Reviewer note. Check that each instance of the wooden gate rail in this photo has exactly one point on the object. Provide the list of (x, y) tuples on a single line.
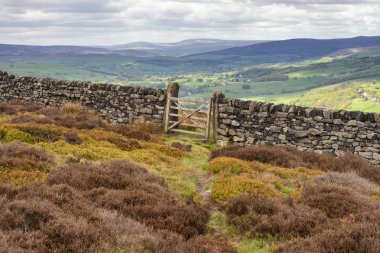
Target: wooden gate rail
[(189, 118)]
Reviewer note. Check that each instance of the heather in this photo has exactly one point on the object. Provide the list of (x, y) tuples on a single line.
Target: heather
[(316, 203), (108, 207), (291, 157), (73, 182)]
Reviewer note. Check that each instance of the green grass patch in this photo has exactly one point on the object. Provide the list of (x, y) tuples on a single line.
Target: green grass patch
[(254, 246)]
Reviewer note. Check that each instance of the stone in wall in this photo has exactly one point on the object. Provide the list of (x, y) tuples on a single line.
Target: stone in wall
[(309, 129), (122, 104)]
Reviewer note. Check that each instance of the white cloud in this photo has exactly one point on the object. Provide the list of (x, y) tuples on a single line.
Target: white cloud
[(91, 22)]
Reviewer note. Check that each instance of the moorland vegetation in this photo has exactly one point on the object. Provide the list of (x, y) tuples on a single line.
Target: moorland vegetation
[(72, 182)]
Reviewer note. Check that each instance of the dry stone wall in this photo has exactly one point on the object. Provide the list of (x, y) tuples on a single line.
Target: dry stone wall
[(235, 121), (309, 129), (117, 103)]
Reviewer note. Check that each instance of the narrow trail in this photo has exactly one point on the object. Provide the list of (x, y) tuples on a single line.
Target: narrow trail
[(205, 193)]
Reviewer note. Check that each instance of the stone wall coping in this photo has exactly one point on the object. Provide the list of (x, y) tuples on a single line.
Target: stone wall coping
[(308, 112)]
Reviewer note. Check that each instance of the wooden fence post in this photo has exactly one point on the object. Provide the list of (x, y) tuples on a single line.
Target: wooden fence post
[(171, 91), (217, 96), (167, 113), (209, 119)]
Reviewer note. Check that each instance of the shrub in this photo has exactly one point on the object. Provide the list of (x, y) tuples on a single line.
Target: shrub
[(46, 228), (24, 119), (202, 244), (27, 215), (362, 167), (14, 134), (73, 116), (73, 138), (350, 180), (50, 112), (7, 109), (22, 177), (258, 215), (132, 236), (284, 173), (336, 201), (227, 187), (31, 119), (128, 132), (290, 157), (227, 165), (280, 156), (125, 145), (3, 132), (135, 193), (89, 149), (138, 135), (133, 144), (112, 207), (147, 127), (182, 146), (7, 245), (25, 106), (41, 134), (361, 237), (20, 156), (112, 175), (82, 121), (73, 109), (164, 149)]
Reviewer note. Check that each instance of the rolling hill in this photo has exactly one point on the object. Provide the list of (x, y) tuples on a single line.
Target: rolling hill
[(294, 49), (185, 47), (274, 71), (14, 52), (139, 49)]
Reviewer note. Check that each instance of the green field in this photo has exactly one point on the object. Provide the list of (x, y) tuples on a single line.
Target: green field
[(330, 82)]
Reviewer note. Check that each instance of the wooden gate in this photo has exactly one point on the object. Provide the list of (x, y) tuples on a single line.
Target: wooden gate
[(188, 116)]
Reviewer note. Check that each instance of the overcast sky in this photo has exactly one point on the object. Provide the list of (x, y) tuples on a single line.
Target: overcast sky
[(107, 22)]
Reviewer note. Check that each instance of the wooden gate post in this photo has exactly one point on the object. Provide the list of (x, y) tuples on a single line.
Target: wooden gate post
[(217, 96), (209, 119), (171, 91)]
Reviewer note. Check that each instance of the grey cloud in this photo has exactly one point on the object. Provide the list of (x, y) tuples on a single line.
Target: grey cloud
[(119, 21), (74, 6)]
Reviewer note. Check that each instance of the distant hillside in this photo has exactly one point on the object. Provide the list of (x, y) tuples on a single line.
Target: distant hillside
[(186, 47), (25, 51), (138, 49), (294, 49)]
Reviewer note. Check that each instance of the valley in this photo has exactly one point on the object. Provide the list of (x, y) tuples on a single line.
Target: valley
[(282, 75)]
